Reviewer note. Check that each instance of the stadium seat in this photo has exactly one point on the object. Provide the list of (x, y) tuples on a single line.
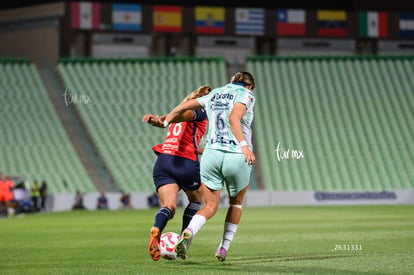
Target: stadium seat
[(33, 142), (351, 116), (122, 91)]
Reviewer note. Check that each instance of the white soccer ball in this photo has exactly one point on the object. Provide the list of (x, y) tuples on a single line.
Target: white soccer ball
[(167, 244)]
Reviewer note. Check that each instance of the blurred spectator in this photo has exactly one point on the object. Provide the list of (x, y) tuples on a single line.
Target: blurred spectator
[(6, 194), (125, 200), (22, 199), (153, 200), (35, 195), (43, 196), (102, 202), (78, 201)]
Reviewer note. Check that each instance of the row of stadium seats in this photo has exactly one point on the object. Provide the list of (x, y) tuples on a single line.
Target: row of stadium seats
[(344, 123), (352, 118), (33, 142), (121, 92)]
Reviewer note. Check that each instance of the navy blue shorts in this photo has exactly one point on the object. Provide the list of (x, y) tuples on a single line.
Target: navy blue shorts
[(173, 169)]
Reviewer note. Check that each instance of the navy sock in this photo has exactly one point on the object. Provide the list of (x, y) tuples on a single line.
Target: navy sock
[(189, 212), (161, 218)]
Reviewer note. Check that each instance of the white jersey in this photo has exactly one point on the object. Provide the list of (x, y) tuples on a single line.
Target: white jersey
[(218, 105)]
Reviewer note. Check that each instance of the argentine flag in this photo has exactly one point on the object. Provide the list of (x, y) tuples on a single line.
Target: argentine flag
[(126, 17)]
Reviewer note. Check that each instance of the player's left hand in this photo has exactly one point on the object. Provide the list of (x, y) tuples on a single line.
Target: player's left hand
[(249, 156), (153, 120)]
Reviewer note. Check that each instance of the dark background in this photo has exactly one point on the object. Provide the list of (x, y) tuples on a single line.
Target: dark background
[(350, 5)]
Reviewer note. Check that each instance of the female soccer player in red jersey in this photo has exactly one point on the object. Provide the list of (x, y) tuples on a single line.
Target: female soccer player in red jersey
[(177, 167)]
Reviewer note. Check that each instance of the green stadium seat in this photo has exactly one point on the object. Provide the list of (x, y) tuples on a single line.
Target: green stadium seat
[(122, 91), (33, 143), (352, 117)]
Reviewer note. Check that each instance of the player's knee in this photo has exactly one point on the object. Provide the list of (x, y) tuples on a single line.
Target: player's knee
[(236, 201), (195, 196), (211, 209)]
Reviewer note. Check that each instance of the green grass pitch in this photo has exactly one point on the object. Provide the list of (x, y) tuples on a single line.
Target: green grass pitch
[(270, 240)]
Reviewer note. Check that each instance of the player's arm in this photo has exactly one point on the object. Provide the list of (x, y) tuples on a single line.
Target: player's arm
[(181, 110), (186, 116), (154, 120), (239, 110), (200, 150), (158, 121)]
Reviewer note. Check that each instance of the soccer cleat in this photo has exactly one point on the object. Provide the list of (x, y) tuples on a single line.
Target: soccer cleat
[(154, 244), (184, 243), (221, 254)]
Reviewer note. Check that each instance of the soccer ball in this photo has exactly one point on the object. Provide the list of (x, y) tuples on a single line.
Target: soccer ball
[(167, 244)]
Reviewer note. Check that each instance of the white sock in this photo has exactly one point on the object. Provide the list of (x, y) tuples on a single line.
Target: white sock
[(228, 235), (196, 223)]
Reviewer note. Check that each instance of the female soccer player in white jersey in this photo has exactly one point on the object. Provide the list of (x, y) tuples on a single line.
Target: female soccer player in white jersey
[(227, 157), (177, 167)]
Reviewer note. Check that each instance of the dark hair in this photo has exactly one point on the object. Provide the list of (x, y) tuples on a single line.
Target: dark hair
[(244, 77)]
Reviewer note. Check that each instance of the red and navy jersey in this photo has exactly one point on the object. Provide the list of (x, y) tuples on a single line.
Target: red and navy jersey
[(183, 137)]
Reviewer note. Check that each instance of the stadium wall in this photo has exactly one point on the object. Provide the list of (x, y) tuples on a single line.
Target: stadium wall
[(64, 202), (37, 26)]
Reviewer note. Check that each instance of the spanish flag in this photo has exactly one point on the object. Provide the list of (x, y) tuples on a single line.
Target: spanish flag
[(331, 22), (209, 20), (167, 18)]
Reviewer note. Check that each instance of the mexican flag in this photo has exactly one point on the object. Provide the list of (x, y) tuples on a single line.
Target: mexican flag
[(373, 24)]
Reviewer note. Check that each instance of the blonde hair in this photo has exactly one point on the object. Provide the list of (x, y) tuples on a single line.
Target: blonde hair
[(201, 91), (244, 77)]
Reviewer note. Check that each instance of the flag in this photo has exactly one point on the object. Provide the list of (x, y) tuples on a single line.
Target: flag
[(373, 24), (126, 17), (209, 20), (407, 25), (331, 23), (167, 18), (250, 21), (85, 15), (290, 22)]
